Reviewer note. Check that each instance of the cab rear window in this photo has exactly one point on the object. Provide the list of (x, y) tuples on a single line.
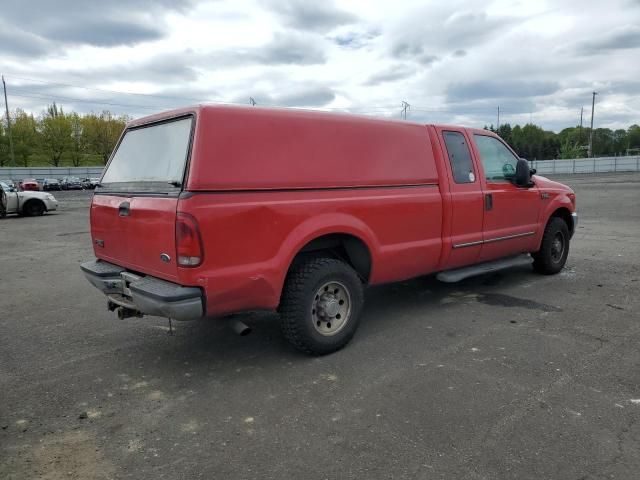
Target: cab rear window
[(150, 155)]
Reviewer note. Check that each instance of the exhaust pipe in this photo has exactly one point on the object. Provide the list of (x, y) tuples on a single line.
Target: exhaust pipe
[(240, 328), (124, 312)]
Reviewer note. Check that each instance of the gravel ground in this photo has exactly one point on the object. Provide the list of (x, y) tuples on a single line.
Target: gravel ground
[(510, 375)]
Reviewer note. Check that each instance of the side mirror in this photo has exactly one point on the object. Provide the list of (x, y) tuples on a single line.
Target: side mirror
[(532, 170), (522, 178)]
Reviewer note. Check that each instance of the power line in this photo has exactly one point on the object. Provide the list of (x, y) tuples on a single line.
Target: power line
[(6, 105), (405, 107), (593, 106)]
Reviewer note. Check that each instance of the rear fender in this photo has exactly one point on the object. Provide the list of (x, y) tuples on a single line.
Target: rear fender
[(330, 223)]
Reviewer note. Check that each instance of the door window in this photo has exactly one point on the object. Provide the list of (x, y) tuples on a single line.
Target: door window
[(459, 157), (497, 160)]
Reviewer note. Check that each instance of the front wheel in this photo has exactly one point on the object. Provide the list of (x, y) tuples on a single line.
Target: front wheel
[(34, 208), (554, 249), (321, 305)]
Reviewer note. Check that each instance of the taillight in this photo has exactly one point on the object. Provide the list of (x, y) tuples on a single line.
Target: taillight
[(188, 241)]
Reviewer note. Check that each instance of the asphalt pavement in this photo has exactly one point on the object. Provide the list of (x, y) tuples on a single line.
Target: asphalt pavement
[(504, 376)]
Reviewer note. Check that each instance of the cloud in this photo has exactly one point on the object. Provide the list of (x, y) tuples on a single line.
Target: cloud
[(427, 34), (491, 89), (452, 61), (622, 38), (321, 16), (17, 43), (409, 51), (103, 32), (308, 97), (393, 73), (116, 22), (313, 96), (355, 40), (284, 49)]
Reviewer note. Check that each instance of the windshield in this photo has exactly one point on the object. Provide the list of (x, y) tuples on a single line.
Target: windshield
[(4, 186), (152, 154)]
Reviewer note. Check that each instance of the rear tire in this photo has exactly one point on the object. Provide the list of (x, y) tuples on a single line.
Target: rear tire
[(34, 208), (554, 249), (321, 305)]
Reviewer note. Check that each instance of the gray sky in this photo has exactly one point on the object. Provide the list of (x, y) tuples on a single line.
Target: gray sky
[(453, 61)]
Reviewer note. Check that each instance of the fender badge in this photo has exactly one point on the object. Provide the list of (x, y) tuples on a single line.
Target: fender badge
[(165, 258), (544, 195), (99, 242)]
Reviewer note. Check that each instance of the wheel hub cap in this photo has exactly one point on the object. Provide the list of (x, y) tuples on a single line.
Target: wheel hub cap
[(331, 308), (557, 247)]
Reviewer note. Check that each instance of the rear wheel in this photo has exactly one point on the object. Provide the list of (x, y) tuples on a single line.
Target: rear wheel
[(321, 305), (33, 208), (554, 249)]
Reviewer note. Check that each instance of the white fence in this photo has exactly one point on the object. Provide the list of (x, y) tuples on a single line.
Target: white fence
[(587, 165), (544, 167), (18, 173)]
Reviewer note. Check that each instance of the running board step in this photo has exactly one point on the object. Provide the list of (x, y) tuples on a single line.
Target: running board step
[(452, 276)]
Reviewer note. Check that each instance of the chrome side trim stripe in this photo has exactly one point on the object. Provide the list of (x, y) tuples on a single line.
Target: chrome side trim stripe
[(468, 244), (491, 240), (509, 237)]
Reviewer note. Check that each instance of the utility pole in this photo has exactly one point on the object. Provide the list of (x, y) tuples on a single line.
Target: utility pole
[(405, 107), (580, 131), (498, 124), (593, 104), (6, 106), (252, 101)]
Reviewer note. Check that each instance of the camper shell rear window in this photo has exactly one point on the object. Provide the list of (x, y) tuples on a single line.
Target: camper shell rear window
[(150, 158)]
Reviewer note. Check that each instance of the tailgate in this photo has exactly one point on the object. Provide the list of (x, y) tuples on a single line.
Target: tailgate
[(136, 232)]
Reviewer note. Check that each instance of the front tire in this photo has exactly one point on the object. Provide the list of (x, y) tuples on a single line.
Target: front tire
[(321, 305), (554, 249), (34, 208)]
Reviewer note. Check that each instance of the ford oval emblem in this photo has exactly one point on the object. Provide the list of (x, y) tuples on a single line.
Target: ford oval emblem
[(165, 258)]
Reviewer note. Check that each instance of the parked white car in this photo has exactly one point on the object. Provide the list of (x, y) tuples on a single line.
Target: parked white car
[(28, 203)]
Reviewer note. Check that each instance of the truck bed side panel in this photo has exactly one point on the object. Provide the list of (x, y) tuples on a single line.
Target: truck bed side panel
[(251, 237)]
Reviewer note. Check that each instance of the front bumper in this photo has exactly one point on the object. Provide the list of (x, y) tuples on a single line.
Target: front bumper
[(145, 294)]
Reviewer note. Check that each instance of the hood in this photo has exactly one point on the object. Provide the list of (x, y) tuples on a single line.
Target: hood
[(545, 183)]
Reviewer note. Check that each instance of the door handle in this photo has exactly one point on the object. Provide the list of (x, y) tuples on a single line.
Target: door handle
[(488, 201), (123, 209)]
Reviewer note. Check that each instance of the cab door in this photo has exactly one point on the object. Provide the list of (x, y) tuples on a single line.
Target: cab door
[(510, 221), (11, 198), (463, 212)]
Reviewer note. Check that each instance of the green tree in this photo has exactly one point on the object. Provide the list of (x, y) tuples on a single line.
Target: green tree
[(78, 142), (24, 130), (102, 132), (570, 150), (56, 134), (504, 131), (5, 155), (633, 137)]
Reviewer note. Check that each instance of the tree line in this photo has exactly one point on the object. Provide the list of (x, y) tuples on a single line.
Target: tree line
[(58, 138), (534, 143)]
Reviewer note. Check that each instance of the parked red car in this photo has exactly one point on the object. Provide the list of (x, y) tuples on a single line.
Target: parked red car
[(30, 184), (211, 210)]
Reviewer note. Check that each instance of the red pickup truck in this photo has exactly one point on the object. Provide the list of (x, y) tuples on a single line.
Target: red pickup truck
[(211, 210)]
